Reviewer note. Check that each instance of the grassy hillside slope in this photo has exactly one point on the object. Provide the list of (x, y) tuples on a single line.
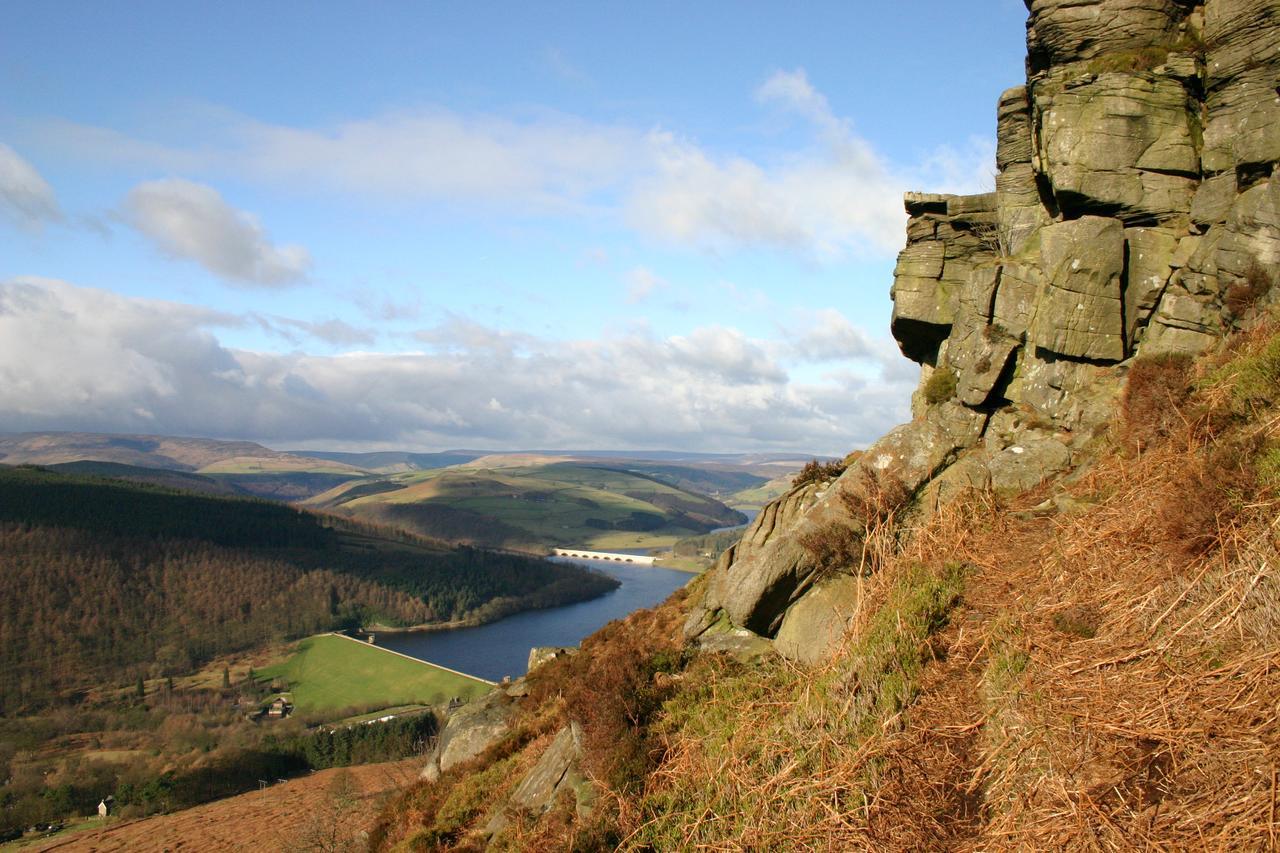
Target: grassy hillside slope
[(533, 505), (1093, 664)]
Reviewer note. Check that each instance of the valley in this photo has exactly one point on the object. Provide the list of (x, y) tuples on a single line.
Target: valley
[(158, 609), (524, 500)]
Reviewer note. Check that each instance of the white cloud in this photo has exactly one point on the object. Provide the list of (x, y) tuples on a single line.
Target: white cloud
[(837, 197), (793, 90), (25, 196), (333, 331), (83, 359), (829, 203), (832, 196), (192, 221), (829, 336)]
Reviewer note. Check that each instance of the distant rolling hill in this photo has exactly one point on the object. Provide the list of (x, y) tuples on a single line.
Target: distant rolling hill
[(147, 451), (243, 466), (393, 461), (538, 505)]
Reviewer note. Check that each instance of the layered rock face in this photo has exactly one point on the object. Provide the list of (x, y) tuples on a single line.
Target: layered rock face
[(1136, 201)]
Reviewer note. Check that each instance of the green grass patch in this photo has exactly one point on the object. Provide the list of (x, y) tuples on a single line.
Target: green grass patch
[(1003, 677), (1254, 379), (756, 498), (802, 731), (330, 673), (941, 386)]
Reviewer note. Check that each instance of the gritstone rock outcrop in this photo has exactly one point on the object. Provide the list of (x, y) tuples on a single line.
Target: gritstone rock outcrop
[(1136, 192)]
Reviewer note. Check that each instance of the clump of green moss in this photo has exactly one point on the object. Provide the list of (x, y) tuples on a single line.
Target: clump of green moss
[(941, 386)]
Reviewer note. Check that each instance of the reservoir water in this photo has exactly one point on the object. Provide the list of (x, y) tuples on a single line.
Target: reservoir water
[(502, 648)]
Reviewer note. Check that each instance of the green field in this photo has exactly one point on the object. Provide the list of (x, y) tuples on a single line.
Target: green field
[(330, 672), (757, 497)]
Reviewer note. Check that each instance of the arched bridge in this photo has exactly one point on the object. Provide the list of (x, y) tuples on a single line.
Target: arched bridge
[(602, 555)]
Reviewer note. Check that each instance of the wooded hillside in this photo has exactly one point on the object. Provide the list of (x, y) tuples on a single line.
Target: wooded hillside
[(102, 581)]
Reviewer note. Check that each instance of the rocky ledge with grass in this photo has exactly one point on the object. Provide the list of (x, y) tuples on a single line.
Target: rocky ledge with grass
[(1136, 214)]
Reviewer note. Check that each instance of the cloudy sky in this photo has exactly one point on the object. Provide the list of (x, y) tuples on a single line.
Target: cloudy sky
[(660, 225)]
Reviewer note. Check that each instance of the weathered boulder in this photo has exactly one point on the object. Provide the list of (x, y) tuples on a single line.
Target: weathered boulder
[(979, 358), (469, 731), (1014, 458), (773, 521), (1027, 463), (1070, 394), (1252, 232), (738, 643), (1081, 314), (1013, 129), (556, 771), (768, 574), (815, 626), (1017, 294), (1019, 205), (1182, 310), (949, 237), (1118, 144), (538, 655), (920, 260), (1063, 31)]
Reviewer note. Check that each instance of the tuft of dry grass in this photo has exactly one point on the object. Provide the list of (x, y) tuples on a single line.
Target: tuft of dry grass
[(1155, 397), (1246, 292), (867, 538), (818, 472)]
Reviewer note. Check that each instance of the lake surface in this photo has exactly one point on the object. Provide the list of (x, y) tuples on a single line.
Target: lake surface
[(502, 648), (749, 513)]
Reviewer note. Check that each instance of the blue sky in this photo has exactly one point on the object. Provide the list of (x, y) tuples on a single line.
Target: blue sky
[(501, 226)]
